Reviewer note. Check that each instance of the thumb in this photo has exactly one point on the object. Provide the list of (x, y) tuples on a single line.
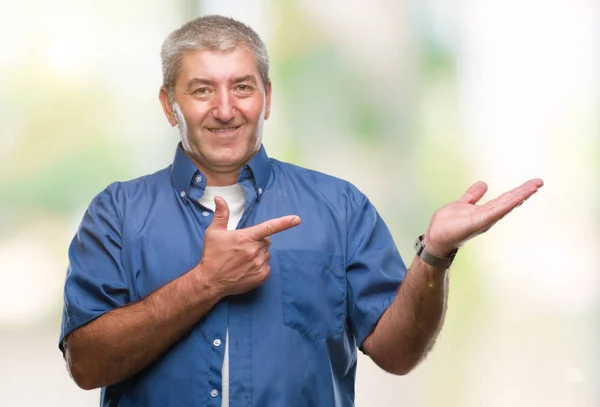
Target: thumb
[(474, 193), (221, 216)]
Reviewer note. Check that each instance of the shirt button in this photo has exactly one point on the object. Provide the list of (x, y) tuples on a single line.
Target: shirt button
[(214, 393), (205, 213), (217, 342), (199, 179), (182, 194), (259, 191)]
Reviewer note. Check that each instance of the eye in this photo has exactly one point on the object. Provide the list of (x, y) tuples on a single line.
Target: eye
[(242, 88), (204, 91)]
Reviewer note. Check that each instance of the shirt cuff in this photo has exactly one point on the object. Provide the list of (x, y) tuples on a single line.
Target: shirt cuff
[(369, 319)]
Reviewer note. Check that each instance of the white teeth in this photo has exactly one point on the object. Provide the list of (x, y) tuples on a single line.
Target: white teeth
[(223, 130)]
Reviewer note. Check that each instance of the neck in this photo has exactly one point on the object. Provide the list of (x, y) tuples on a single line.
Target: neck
[(221, 180), (218, 176)]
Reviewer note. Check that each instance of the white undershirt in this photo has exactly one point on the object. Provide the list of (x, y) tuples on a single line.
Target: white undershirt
[(234, 196)]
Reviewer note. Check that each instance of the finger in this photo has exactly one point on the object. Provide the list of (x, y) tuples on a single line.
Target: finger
[(499, 207), (267, 259), (518, 195), (537, 182), (267, 271), (270, 227), (523, 201), (267, 242), (474, 193), (221, 216)]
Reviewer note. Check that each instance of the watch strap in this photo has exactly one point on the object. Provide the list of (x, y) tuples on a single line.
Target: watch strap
[(433, 260)]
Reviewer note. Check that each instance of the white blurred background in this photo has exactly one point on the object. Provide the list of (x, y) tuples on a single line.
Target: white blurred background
[(411, 101)]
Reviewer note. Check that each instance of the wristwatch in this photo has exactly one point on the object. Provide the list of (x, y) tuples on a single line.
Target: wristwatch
[(435, 261)]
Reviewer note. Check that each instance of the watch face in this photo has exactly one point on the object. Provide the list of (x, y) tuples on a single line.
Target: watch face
[(419, 243)]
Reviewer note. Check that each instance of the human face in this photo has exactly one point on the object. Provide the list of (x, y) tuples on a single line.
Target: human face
[(220, 105)]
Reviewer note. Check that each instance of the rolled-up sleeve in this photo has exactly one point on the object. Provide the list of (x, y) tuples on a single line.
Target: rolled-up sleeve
[(95, 281), (374, 269)]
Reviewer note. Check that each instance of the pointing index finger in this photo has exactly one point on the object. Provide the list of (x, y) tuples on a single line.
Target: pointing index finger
[(272, 226)]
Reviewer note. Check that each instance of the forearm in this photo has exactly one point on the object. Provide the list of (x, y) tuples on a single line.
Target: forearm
[(122, 342), (408, 328)]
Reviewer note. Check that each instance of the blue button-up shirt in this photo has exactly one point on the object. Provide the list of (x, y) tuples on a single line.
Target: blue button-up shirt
[(294, 339)]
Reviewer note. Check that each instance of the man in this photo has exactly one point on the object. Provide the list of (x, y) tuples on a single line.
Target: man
[(230, 278)]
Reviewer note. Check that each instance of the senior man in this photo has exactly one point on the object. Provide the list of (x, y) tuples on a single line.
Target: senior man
[(233, 279)]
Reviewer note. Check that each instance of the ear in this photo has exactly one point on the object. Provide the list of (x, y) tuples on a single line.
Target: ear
[(268, 102), (165, 101)]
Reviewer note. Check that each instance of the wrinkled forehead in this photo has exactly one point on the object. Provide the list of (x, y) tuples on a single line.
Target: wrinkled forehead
[(218, 66)]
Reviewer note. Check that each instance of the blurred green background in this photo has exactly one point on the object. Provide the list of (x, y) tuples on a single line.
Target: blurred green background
[(410, 101)]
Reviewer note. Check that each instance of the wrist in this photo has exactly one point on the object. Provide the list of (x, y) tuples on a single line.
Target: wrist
[(204, 287), (435, 248), (432, 256)]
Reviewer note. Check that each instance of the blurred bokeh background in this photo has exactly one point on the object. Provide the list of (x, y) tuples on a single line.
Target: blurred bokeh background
[(412, 101)]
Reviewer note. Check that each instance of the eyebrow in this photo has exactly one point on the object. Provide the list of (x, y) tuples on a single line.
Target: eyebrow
[(199, 81), (246, 78), (239, 79)]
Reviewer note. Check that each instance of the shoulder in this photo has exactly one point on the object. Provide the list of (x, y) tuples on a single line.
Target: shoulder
[(319, 184), (118, 195)]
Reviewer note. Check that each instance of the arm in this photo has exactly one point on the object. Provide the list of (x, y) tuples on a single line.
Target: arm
[(407, 329), (123, 341)]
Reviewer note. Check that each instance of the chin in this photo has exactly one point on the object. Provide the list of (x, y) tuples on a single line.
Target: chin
[(231, 156), (227, 159)]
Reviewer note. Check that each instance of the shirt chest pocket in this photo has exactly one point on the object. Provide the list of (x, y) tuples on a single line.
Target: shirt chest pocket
[(313, 292)]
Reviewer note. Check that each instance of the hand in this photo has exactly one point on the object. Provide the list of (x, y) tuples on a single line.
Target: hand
[(237, 261), (455, 223)]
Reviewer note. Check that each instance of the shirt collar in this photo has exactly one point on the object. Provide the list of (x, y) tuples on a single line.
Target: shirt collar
[(260, 166), (183, 170)]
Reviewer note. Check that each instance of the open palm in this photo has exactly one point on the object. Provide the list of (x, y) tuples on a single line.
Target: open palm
[(455, 223)]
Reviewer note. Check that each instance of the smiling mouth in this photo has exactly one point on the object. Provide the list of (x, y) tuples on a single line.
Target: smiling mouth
[(224, 130)]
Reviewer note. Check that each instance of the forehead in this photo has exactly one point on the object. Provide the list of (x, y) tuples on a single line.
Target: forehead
[(217, 65)]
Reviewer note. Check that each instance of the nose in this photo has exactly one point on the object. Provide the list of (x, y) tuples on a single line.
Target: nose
[(224, 110)]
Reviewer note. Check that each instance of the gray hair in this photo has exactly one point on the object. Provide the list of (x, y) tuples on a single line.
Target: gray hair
[(210, 33)]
